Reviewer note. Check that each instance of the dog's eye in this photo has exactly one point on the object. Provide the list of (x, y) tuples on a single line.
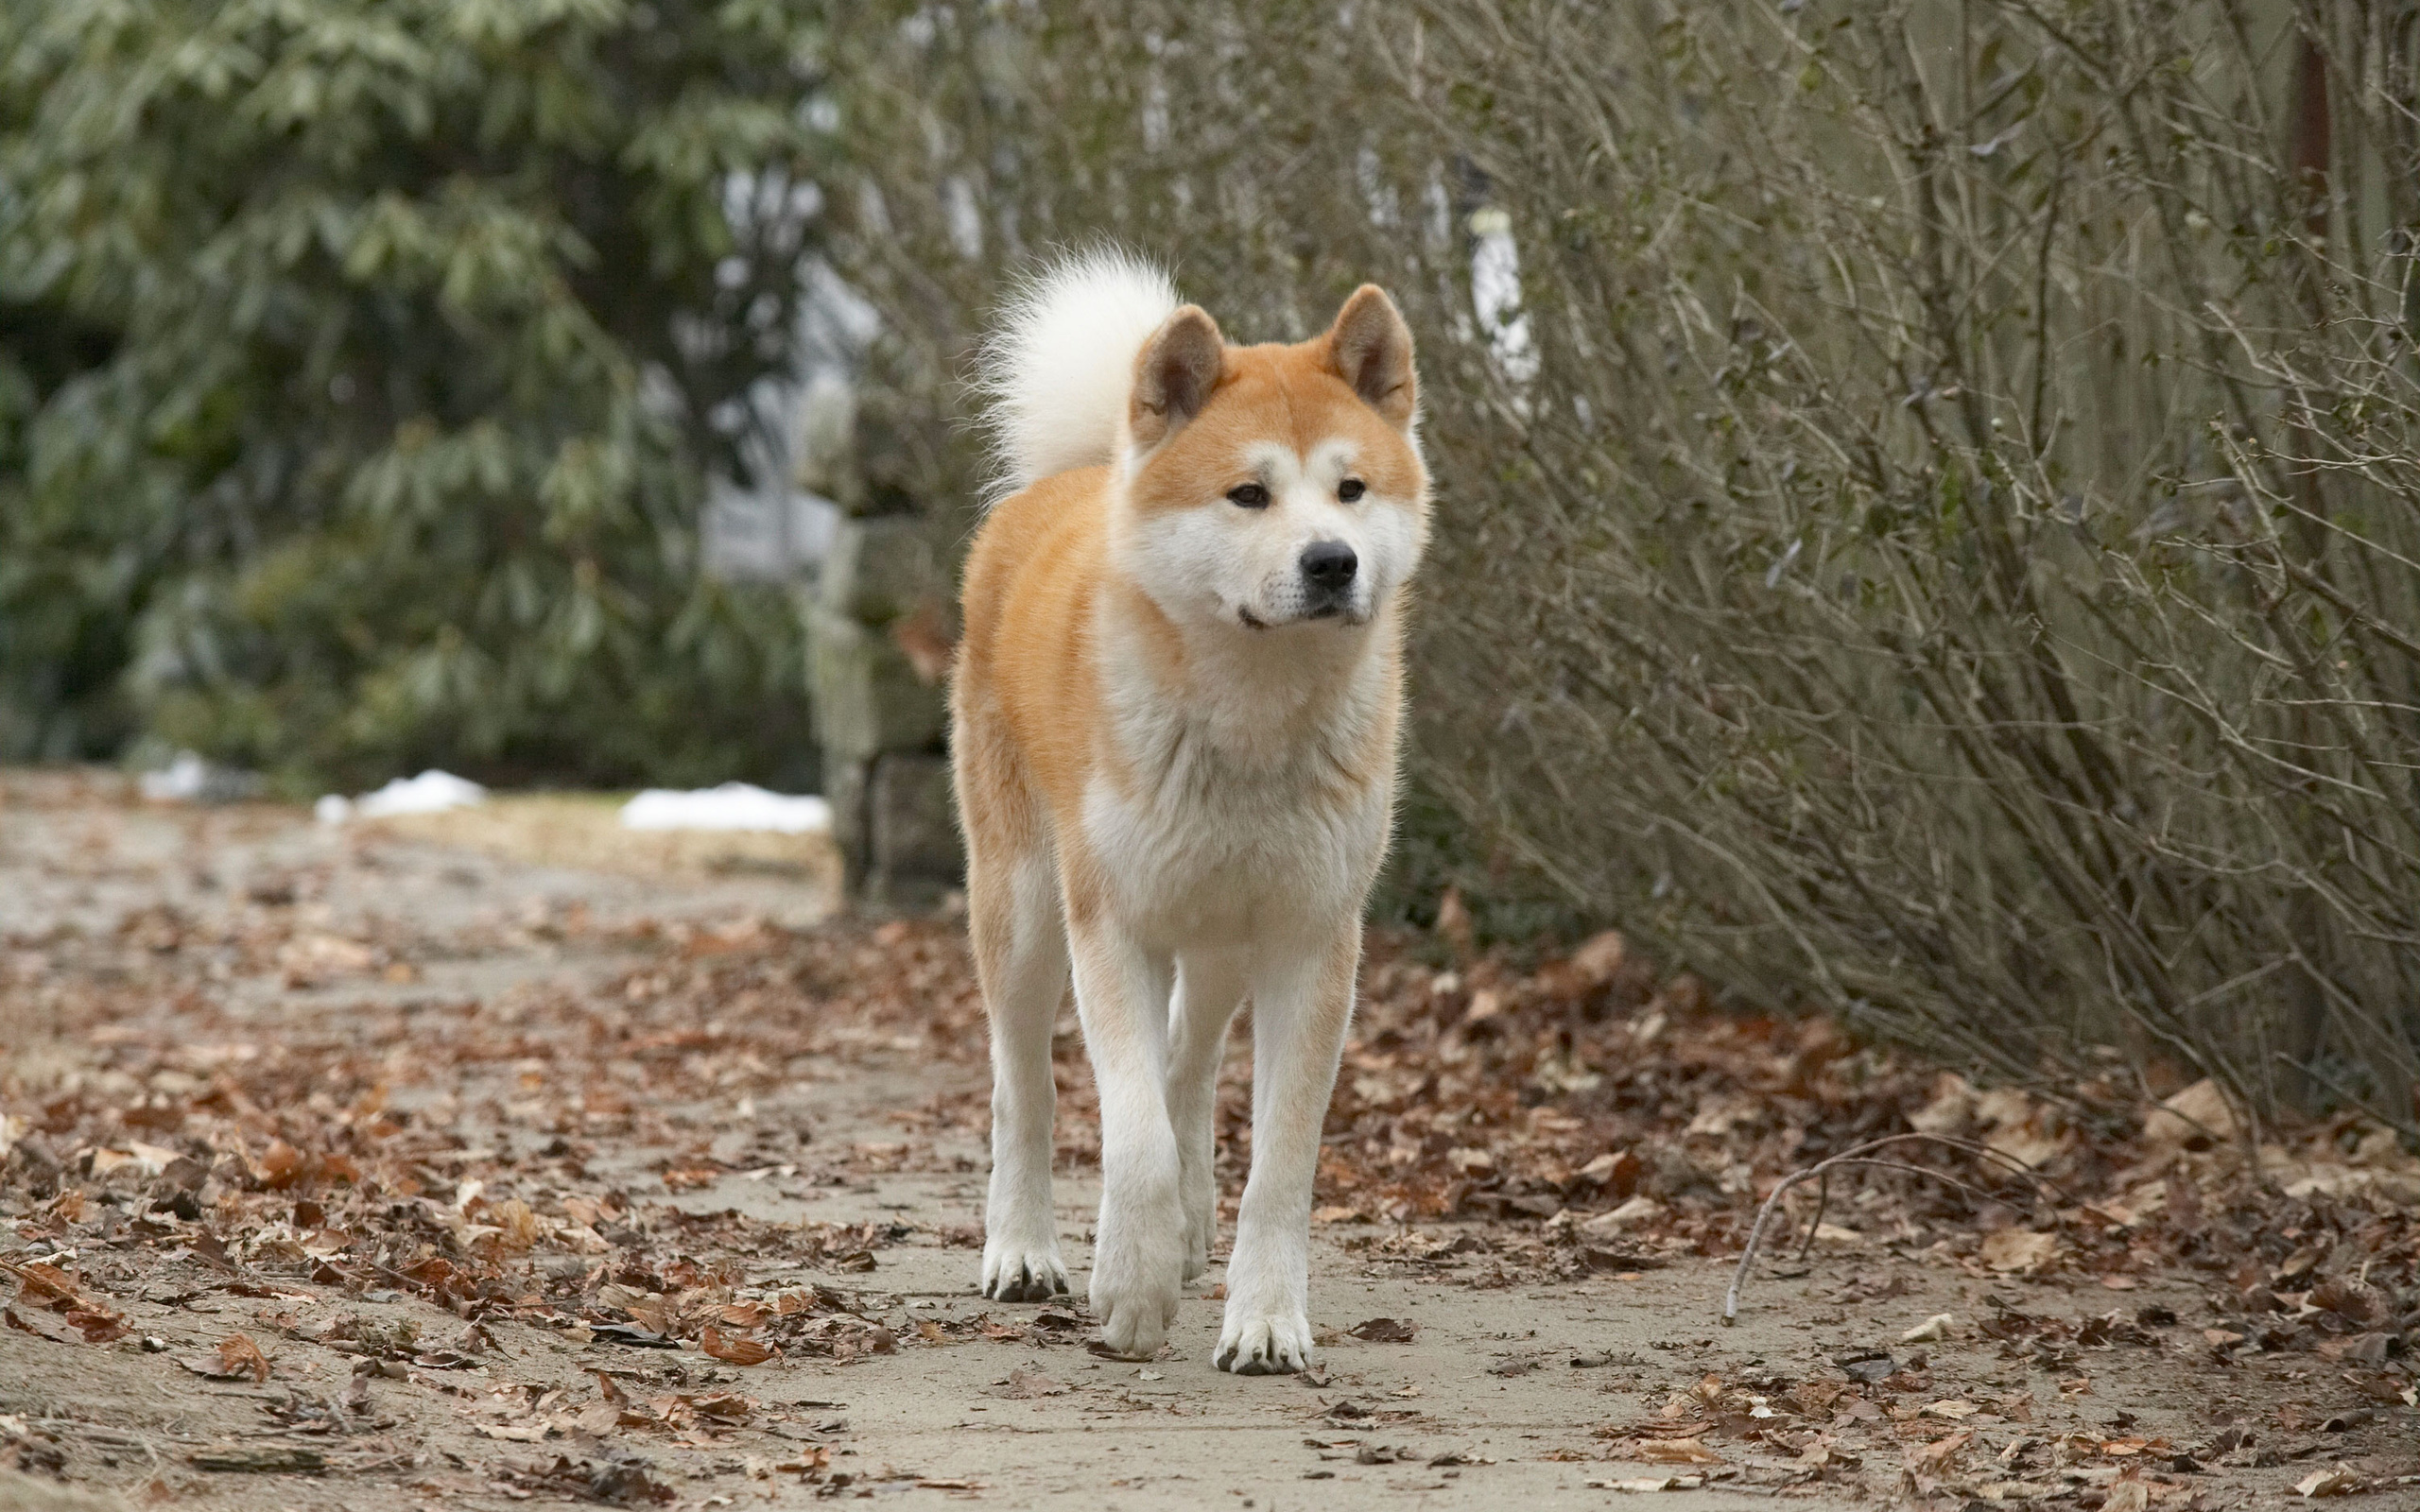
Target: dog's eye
[(1349, 490), (1249, 495)]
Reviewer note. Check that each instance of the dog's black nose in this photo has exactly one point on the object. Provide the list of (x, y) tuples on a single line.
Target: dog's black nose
[(1329, 564)]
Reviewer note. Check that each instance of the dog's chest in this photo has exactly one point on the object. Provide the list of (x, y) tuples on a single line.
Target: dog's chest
[(1204, 844)]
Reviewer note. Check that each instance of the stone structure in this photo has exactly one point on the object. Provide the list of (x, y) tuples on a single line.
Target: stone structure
[(880, 622)]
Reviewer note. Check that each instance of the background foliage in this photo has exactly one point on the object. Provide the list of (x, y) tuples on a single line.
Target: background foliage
[(1939, 537), (360, 362)]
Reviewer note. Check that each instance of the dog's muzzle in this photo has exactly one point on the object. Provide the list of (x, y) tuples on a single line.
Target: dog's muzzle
[(1326, 585)]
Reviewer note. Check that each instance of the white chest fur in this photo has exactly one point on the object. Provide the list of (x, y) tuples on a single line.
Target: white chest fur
[(1249, 801)]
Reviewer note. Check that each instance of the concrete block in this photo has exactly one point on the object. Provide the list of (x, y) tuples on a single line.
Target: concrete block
[(913, 821), (869, 698), (845, 783), (883, 568)]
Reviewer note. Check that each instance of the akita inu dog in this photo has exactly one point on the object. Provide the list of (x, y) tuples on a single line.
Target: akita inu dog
[(1175, 711)]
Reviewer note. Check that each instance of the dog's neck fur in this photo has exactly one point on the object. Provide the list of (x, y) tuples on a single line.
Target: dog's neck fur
[(1306, 698)]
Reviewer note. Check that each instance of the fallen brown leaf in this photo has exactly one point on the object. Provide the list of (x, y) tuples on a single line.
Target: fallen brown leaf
[(2019, 1250), (2338, 1481), (732, 1348), (239, 1357), (1673, 1452), (1932, 1459)]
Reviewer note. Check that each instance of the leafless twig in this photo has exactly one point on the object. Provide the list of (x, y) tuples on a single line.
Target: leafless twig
[(1862, 1154), (1957, 572)]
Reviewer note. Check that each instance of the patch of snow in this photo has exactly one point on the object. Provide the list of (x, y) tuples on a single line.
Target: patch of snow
[(1495, 293), (431, 792), (731, 806), (193, 778), (181, 782)]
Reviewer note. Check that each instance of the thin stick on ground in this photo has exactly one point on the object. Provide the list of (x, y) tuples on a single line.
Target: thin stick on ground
[(1815, 1224), (1862, 1155)]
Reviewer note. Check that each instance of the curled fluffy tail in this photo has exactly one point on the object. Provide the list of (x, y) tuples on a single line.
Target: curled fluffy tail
[(1057, 373)]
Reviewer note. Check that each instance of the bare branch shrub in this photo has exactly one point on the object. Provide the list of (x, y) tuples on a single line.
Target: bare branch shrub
[(1939, 540)]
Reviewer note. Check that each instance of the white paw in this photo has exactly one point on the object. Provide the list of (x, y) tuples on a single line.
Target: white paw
[(1014, 1272), (1253, 1343), (1137, 1268)]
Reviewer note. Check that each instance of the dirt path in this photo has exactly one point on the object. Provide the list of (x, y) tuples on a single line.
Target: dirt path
[(504, 1176)]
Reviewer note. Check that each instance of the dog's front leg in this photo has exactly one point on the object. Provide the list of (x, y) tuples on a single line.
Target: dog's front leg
[(1138, 1248), (1301, 1001), (1209, 988)]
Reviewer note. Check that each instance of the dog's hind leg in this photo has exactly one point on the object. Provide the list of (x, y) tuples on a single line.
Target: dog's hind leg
[(1021, 956), (1301, 1004), (1208, 988)]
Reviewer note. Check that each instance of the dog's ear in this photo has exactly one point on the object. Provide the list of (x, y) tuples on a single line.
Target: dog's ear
[(1370, 348), (1173, 377)]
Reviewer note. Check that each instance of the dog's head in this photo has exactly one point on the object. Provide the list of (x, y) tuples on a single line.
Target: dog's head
[(1274, 486)]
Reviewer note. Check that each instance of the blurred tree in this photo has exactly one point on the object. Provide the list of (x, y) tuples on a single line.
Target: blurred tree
[(361, 362)]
